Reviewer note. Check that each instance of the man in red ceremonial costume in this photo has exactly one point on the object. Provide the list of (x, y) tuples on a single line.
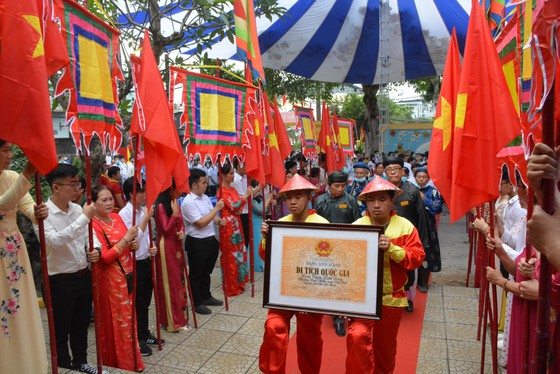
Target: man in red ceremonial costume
[(372, 345), (272, 357)]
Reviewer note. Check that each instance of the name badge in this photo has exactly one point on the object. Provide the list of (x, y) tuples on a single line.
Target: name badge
[(404, 203), (342, 206)]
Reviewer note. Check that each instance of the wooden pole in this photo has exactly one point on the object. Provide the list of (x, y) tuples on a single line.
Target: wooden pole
[(46, 281), (94, 274), (223, 256), (154, 286), (526, 303), (133, 328), (483, 281), (189, 289), (494, 305), (542, 340), (251, 246), (471, 248)]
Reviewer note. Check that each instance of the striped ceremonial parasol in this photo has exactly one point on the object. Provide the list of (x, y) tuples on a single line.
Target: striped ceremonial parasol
[(338, 40)]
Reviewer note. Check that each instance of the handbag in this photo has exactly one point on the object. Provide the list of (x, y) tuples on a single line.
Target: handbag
[(128, 276)]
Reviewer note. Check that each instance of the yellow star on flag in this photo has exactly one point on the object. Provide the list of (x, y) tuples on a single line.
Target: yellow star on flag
[(444, 122), (36, 24)]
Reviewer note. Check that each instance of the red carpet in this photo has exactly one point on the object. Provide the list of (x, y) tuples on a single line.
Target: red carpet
[(334, 347)]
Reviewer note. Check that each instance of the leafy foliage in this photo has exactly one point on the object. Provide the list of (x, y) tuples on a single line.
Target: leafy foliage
[(176, 26), (18, 164), (297, 89), (353, 107), (428, 88)]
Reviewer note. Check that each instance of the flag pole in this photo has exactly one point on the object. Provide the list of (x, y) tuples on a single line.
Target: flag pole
[(133, 328), (223, 257), (251, 245), (542, 340), (526, 303), (494, 305), (94, 273), (46, 283), (154, 285), (189, 289), (471, 247), (482, 275)]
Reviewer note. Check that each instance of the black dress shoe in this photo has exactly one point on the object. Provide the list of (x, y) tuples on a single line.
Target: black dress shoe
[(422, 288), (339, 326), (410, 306), (213, 302), (202, 309)]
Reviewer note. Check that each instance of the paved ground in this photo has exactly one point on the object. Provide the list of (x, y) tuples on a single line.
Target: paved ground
[(229, 342)]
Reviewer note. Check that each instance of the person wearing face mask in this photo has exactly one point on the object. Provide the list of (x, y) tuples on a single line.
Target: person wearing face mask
[(360, 181)]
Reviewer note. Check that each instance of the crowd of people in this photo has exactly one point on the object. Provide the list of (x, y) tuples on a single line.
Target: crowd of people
[(518, 271), (393, 191)]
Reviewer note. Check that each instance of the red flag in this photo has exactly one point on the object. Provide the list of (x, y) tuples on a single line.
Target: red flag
[(275, 175), (284, 142), (152, 119), (253, 151), (441, 144), (325, 140), (339, 155), (485, 120), (27, 61)]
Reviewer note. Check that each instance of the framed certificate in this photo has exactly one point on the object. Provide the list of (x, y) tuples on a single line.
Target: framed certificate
[(324, 268)]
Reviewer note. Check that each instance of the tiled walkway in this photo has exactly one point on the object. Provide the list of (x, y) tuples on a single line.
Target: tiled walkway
[(228, 342)]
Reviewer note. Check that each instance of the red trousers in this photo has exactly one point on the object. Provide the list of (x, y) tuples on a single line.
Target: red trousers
[(274, 349), (372, 345)]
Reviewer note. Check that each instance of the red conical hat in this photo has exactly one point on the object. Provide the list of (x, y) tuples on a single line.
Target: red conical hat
[(297, 183), (379, 184)]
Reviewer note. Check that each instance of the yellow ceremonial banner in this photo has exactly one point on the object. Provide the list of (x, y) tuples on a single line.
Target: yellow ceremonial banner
[(315, 267)]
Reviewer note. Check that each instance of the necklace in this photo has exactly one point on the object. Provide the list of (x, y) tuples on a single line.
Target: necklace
[(105, 223)]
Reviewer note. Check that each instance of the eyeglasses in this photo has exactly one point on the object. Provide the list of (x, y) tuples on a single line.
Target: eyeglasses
[(392, 170), (73, 184)]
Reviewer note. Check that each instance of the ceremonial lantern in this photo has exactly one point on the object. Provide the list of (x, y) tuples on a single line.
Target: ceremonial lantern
[(379, 184), (297, 183)]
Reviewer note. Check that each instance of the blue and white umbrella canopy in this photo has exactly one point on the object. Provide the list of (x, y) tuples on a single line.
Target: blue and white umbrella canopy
[(338, 40)]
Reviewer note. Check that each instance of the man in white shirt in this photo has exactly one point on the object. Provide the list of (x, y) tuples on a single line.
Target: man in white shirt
[(67, 245), (240, 185), (130, 167), (144, 256), (512, 230), (121, 163), (212, 178), (108, 159), (201, 244)]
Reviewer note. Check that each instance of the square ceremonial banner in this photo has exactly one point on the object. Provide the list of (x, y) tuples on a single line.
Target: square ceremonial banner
[(324, 268), (91, 78), (346, 135), (214, 113)]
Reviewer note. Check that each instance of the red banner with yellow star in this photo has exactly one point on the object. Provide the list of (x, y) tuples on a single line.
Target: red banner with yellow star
[(441, 144), (32, 52)]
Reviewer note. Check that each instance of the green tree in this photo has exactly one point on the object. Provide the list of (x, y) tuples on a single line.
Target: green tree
[(297, 89), (399, 113), (200, 21), (353, 107)]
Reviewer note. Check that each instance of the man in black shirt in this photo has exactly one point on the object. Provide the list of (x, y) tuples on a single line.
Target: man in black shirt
[(410, 206)]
